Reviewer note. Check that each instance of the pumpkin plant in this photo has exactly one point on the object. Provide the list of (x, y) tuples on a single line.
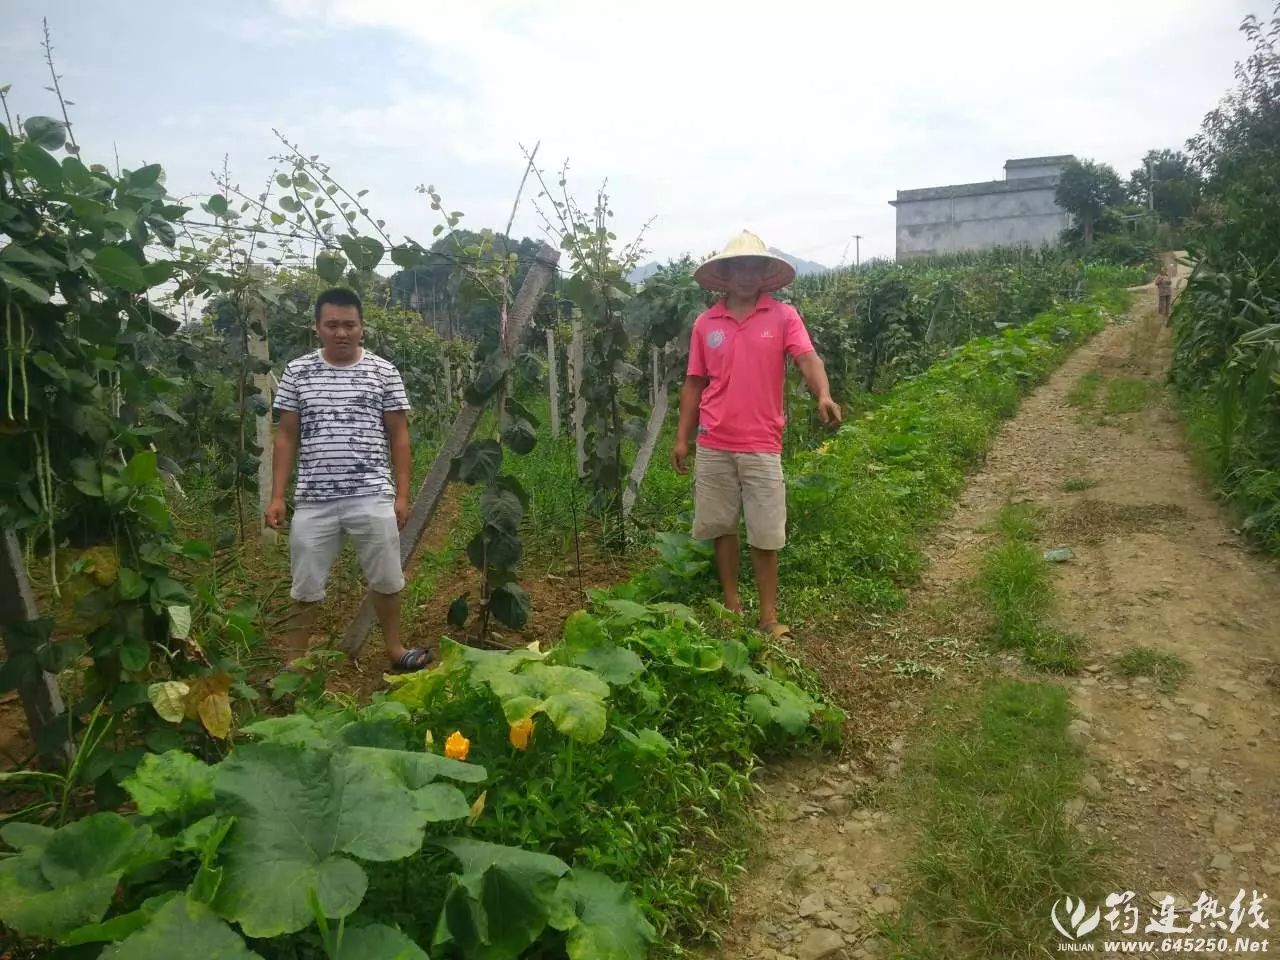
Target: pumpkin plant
[(274, 839)]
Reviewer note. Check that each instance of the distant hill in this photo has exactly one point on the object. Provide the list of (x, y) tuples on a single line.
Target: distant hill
[(803, 267)]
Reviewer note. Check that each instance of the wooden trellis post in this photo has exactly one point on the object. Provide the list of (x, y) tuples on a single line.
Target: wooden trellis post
[(553, 381), (260, 352), (40, 698), (535, 283), (575, 394), (653, 429)]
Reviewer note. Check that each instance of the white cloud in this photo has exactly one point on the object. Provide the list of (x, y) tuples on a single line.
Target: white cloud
[(798, 119)]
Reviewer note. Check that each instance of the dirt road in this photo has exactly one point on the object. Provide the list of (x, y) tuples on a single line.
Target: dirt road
[(1183, 789)]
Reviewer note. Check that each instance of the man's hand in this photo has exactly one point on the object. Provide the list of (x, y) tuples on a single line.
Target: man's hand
[(680, 457), (828, 410), (275, 513), (402, 511)]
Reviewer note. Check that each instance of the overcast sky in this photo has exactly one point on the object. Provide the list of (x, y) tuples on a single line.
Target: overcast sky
[(797, 119)]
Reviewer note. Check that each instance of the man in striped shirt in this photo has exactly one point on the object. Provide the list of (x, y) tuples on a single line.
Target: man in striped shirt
[(344, 420)]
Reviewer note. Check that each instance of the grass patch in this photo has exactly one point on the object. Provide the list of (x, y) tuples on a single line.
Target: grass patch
[(1084, 392), (1244, 475), (996, 847), (1129, 395), (1076, 484), (1168, 670), (1016, 581), (1018, 521)]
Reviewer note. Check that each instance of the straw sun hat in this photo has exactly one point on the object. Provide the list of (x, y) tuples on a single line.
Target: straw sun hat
[(713, 276)]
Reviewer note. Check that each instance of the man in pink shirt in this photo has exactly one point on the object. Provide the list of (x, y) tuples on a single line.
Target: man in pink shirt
[(733, 395)]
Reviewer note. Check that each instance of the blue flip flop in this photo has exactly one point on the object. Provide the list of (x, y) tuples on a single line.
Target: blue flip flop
[(413, 660)]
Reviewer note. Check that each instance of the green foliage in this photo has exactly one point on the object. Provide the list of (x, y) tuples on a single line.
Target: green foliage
[(1227, 323), (279, 839), (1085, 190), (598, 288), (1168, 182), (652, 789), (861, 502), (439, 284), (80, 398), (1016, 581), (1018, 521), (1118, 248), (505, 898), (882, 322), (63, 879)]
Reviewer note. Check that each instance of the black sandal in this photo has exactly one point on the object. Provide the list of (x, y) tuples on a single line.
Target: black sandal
[(413, 660)]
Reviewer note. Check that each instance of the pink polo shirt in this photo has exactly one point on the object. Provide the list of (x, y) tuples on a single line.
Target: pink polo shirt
[(745, 362)]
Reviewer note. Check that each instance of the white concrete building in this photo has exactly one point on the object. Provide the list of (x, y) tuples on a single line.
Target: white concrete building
[(1016, 211)]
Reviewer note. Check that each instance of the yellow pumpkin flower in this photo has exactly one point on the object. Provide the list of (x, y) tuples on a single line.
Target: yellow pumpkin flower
[(521, 733), (457, 746)]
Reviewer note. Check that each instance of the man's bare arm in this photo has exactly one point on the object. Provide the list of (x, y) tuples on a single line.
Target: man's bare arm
[(397, 426), (690, 399), (814, 372), (284, 453)]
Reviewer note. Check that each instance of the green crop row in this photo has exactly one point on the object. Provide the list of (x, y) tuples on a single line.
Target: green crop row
[(861, 502)]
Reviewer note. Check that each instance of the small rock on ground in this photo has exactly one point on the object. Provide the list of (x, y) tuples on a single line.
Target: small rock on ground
[(820, 943)]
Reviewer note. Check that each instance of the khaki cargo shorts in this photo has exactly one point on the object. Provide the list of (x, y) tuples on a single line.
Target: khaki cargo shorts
[(727, 485)]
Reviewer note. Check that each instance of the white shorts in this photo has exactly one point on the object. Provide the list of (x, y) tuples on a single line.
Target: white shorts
[(315, 537)]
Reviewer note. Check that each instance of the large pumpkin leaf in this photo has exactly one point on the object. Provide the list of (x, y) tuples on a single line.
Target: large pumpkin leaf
[(572, 698), (586, 644), (186, 927), (501, 901), (610, 923), (378, 942), (174, 782), (418, 690), (64, 879), (299, 810), (776, 702), (577, 715)]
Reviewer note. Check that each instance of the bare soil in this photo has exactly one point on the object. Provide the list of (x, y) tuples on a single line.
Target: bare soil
[(1184, 787)]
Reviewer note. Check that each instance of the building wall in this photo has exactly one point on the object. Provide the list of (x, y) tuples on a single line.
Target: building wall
[(1025, 169), (978, 221)]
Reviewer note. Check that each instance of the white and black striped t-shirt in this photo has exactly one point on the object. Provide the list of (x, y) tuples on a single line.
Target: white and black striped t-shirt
[(342, 450)]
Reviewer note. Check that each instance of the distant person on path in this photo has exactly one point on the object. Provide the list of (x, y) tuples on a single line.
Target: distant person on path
[(344, 419), (1164, 293), (733, 396)]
